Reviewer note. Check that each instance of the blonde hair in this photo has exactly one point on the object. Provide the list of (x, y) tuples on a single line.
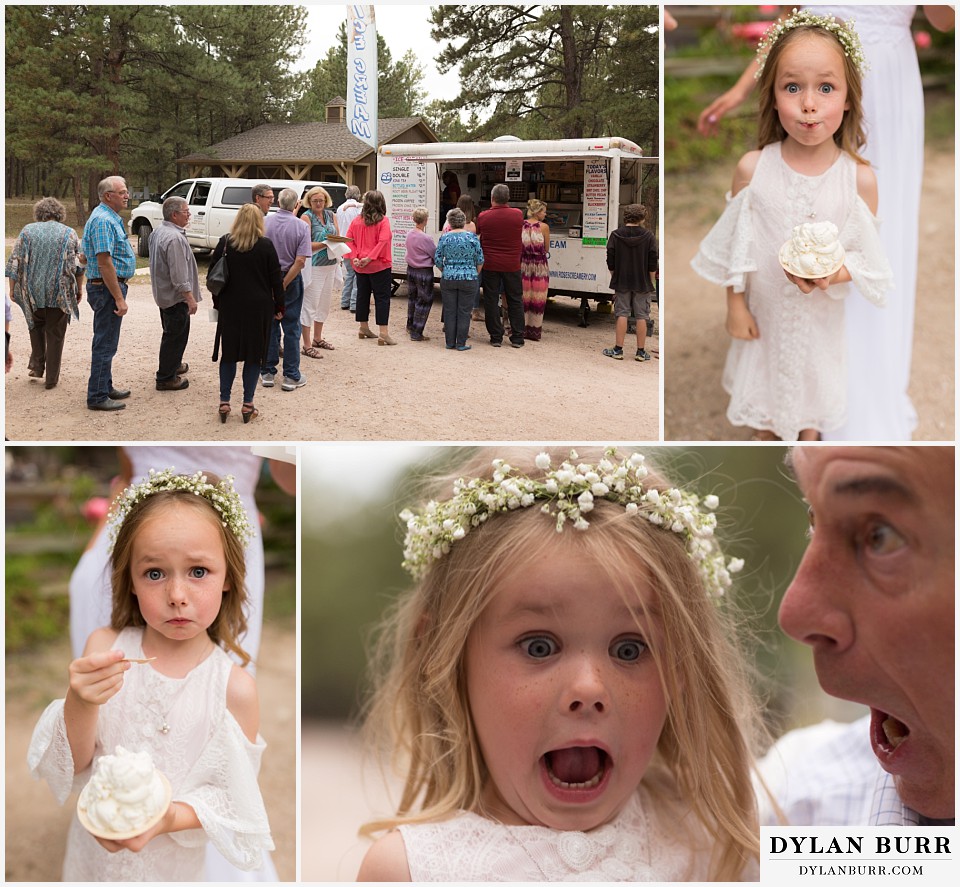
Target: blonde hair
[(420, 709), (313, 192), (535, 206), (247, 228), (850, 136), (420, 215), (231, 622)]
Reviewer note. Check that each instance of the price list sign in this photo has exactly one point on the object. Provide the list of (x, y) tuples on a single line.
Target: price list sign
[(595, 202), (409, 184)]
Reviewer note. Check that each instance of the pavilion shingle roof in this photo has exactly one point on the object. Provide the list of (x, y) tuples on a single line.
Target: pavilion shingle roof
[(300, 142)]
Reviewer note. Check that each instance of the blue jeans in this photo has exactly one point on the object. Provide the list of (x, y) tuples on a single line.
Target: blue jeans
[(290, 328), (348, 295), (106, 339), (457, 297), (228, 372)]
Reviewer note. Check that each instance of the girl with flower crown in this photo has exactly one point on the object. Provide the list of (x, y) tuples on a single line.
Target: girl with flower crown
[(159, 680), (562, 688), (786, 367)]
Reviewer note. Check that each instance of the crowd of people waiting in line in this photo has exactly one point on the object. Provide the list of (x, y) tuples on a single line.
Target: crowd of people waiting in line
[(280, 274)]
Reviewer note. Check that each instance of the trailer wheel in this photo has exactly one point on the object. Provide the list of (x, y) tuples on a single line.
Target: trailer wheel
[(143, 240)]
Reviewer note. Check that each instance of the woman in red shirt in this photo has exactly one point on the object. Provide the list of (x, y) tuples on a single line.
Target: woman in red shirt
[(371, 257)]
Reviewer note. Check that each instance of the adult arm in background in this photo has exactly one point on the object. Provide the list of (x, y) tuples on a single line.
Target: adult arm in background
[(284, 475), (708, 123)]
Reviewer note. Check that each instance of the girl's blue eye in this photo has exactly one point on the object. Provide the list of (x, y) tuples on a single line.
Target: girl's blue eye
[(154, 575), (628, 650), (198, 572), (538, 647), (792, 87), (826, 88)]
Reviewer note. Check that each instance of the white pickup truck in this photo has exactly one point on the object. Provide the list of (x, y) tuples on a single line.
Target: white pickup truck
[(213, 205)]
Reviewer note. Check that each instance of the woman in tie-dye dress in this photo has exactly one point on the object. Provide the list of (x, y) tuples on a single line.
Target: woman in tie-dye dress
[(534, 271)]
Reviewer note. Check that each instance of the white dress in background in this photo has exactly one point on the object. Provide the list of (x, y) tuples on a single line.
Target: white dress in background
[(211, 765), (793, 376), (879, 342), (638, 845), (90, 580)]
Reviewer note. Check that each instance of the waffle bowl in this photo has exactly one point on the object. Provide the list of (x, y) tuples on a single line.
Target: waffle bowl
[(87, 823)]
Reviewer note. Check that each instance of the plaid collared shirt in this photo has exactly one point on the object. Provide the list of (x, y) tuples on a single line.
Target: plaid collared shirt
[(827, 774), (104, 233)]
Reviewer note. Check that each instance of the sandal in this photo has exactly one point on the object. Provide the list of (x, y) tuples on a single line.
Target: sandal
[(367, 334), (224, 411), (386, 340), (310, 352), (323, 343), (248, 411)]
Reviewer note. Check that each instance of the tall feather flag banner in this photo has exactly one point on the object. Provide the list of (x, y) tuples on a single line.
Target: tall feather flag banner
[(362, 73)]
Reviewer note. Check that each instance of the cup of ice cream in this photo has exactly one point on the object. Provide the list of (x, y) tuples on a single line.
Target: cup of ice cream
[(126, 796), (813, 251)]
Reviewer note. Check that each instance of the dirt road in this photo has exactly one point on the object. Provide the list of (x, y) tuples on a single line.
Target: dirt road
[(561, 388), (695, 343)]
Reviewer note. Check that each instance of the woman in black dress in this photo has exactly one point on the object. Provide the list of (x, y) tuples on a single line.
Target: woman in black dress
[(246, 306)]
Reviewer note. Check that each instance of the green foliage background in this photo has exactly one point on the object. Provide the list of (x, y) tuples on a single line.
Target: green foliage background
[(46, 534), (351, 571), (714, 48)]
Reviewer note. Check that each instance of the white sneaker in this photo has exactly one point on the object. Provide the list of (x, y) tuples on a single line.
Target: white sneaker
[(267, 379), (291, 384)]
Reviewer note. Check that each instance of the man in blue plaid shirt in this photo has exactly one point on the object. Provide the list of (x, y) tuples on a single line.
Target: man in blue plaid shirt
[(110, 264)]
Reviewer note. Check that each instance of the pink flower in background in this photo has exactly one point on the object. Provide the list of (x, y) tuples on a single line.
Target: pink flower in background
[(751, 32), (95, 509), (922, 39)]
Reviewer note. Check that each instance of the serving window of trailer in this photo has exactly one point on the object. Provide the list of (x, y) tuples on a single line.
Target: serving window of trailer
[(558, 183)]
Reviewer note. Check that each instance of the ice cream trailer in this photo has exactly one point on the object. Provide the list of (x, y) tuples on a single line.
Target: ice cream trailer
[(584, 182)]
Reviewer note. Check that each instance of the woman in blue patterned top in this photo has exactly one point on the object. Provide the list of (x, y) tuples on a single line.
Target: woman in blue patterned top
[(45, 274), (460, 259)]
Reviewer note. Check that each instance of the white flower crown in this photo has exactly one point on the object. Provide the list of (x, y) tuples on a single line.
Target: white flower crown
[(221, 496), (843, 31), (568, 493)]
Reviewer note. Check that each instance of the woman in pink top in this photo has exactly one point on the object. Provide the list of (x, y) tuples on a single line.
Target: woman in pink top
[(370, 255)]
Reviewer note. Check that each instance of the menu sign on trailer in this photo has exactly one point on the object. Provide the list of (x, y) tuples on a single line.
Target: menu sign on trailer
[(409, 180), (595, 201)]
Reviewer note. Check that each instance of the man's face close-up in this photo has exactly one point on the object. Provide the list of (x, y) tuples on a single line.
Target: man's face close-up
[(874, 598)]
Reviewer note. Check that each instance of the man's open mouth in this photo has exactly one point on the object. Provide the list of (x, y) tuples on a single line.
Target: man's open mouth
[(888, 731), (579, 767)]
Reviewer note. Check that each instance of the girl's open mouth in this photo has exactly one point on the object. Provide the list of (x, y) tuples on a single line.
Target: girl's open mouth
[(578, 768)]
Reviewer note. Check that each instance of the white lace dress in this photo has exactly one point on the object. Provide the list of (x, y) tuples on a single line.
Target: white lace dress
[(878, 406), (636, 846), (210, 763), (794, 376)]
